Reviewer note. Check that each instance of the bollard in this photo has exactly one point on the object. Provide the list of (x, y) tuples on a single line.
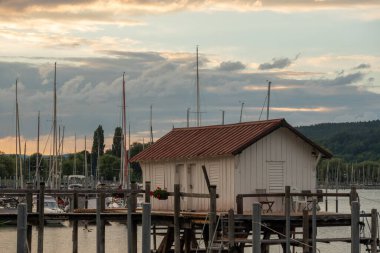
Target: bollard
[(146, 223), (256, 228), (21, 228), (355, 234), (305, 231)]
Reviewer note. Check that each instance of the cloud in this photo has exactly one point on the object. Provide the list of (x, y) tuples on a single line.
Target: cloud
[(231, 66), (278, 63), (363, 66), (90, 95)]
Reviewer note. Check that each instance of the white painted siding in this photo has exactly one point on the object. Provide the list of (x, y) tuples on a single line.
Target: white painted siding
[(220, 171), (281, 154)]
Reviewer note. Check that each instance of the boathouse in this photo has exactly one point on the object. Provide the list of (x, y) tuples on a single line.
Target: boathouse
[(240, 158)]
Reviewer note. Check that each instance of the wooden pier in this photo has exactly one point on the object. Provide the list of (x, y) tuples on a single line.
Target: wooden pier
[(195, 231)]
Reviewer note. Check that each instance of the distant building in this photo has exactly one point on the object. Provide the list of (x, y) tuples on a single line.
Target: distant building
[(239, 158)]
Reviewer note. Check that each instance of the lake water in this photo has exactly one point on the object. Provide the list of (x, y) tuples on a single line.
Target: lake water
[(58, 239)]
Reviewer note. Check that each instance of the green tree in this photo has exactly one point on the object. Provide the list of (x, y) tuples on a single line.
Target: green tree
[(117, 142), (97, 146), (136, 172), (109, 167), (7, 165)]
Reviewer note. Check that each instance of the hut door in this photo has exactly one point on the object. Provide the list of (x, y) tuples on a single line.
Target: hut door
[(180, 178), (190, 184)]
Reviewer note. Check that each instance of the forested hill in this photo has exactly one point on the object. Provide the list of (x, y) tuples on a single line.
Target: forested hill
[(355, 141)]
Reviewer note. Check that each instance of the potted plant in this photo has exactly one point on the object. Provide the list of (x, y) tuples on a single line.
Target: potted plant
[(160, 194)]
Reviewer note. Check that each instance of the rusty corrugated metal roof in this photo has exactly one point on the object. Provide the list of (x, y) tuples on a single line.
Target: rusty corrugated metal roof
[(213, 141)]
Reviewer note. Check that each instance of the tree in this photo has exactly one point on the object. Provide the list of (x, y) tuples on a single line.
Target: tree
[(98, 141), (117, 142), (136, 172), (97, 146), (109, 167), (7, 165)]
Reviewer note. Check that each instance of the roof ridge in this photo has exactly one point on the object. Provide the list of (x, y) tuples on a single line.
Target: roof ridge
[(229, 125)]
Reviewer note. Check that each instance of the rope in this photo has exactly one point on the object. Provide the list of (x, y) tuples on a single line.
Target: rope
[(298, 241)]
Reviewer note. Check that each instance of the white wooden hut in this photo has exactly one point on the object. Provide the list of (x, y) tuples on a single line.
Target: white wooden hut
[(240, 158)]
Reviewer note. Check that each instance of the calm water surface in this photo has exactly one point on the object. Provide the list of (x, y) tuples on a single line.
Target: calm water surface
[(58, 239)]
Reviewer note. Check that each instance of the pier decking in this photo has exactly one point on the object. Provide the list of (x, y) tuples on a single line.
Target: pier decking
[(184, 231)]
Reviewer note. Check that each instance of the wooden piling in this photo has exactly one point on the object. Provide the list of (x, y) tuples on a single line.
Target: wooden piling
[(231, 228), (21, 228), (355, 232), (41, 199), (287, 218), (146, 223), (305, 231), (147, 192), (314, 227), (100, 242), (132, 225), (75, 224), (212, 215), (29, 208), (177, 209), (256, 228), (374, 224), (239, 204)]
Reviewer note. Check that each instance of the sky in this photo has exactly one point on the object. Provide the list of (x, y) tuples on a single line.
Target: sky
[(321, 56)]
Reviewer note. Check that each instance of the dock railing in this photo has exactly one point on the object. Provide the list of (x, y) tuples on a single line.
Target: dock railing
[(352, 195)]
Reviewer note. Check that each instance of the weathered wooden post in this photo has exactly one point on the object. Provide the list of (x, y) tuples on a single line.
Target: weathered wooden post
[(374, 224), (239, 204), (29, 207), (231, 228), (147, 192), (212, 215), (314, 227), (353, 194), (146, 223), (177, 209), (287, 218), (41, 221), (75, 224), (256, 228), (355, 234), (132, 226), (100, 242), (21, 228), (305, 231)]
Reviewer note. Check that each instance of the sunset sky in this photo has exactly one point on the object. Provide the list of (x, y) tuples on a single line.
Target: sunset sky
[(322, 57)]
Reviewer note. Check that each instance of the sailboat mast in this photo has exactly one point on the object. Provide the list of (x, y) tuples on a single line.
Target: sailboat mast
[(18, 145), (241, 112), (198, 95), (151, 124), (125, 168), (55, 128), (16, 154), (268, 104), (38, 152), (75, 154)]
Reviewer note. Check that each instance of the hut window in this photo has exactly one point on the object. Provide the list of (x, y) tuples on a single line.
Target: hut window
[(160, 177), (275, 174), (214, 174)]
